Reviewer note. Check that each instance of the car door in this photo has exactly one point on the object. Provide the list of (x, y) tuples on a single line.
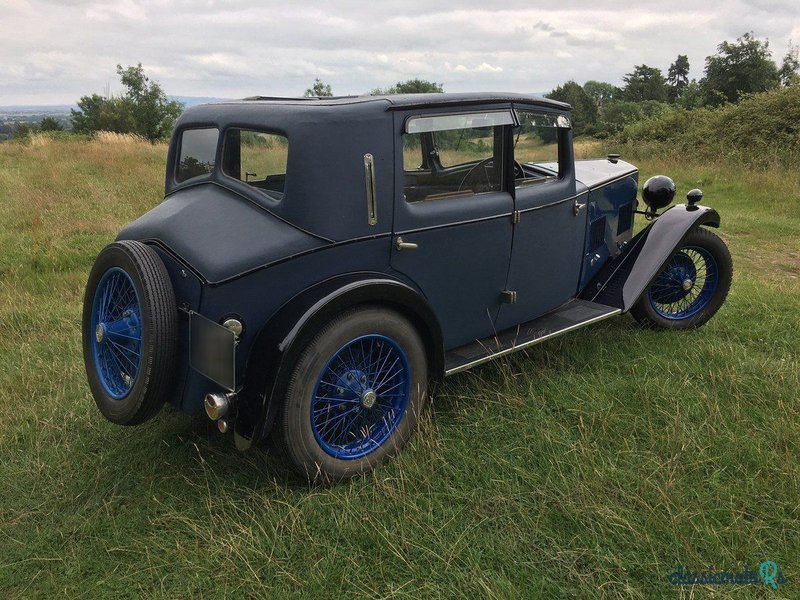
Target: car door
[(550, 219), (452, 215)]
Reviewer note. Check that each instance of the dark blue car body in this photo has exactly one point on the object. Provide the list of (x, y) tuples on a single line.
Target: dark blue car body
[(463, 269)]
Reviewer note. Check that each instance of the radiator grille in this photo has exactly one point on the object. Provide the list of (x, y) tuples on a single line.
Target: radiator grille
[(597, 234), (625, 221)]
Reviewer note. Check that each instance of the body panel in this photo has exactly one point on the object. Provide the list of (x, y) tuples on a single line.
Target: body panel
[(611, 206), (218, 233), (461, 268)]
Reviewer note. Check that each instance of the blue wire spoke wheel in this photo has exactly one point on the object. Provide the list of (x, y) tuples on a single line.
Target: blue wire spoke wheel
[(117, 327), (686, 285), (129, 332), (360, 397), (354, 394)]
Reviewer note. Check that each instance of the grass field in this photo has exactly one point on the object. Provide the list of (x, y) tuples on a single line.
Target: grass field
[(589, 467)]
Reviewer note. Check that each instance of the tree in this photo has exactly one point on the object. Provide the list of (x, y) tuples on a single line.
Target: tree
[(411, 86), (320, 89), (789, 67), (645, 83), (742, 67), (100, 113), (153, 113), (602, 92), (143, 109), (678, 77), (691, 96), (584, 109), (616, 115), (50, 124)]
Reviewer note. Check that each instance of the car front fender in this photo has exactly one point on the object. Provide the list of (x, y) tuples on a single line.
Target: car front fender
[(622, 280), (281, 341)]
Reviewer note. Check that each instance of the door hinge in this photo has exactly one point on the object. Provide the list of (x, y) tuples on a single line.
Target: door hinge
[(508, 296), (516, 217)]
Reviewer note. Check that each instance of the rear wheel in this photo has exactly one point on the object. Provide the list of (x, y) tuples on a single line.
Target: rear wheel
[(691, 287), (129, 332), (355, 395)]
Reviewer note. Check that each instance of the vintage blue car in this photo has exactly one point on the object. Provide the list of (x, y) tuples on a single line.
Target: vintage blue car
[(316, 262)]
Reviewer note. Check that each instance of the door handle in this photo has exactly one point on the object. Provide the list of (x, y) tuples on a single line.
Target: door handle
[(401, 245), (576, 208)]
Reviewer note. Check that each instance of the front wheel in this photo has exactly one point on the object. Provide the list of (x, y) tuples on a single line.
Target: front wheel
[(354, 395), (691, 287)]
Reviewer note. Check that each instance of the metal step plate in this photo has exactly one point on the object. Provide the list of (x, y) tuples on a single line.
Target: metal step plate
[(572, 315)]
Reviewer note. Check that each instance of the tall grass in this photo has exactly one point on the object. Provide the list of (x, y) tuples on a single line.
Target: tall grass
[(588, 467)]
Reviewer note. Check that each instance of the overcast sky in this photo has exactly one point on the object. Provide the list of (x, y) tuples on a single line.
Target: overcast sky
[(54, 52)]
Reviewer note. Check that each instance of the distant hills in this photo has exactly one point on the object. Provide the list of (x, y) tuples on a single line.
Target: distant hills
[(55, 109)]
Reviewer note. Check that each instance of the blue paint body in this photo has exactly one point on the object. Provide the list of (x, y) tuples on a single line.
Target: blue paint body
[(283, 267)]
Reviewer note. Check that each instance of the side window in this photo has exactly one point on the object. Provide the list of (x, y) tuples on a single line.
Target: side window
[(535, 148), (257, 158), (446, 156), (197, 154)]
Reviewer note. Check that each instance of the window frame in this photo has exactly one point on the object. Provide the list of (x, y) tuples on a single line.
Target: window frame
[(504, 144), (237, 180), (179, 152), (562, 123)]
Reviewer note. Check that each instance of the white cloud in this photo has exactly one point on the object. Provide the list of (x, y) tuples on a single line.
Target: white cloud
[(124, 9), (53, 52)]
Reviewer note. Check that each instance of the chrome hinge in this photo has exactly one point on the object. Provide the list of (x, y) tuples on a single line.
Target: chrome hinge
[(576, 208), (508, 297), (516, 217)]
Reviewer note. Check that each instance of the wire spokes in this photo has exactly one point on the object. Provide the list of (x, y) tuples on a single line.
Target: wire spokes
[(116, 332), (360, 396), (686, 284)]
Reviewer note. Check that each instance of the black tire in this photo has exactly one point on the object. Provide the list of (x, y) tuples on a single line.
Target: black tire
[(152, 384), (646, 313), (296, 436)]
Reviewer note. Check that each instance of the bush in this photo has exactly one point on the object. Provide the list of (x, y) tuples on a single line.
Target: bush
[(761, 129)]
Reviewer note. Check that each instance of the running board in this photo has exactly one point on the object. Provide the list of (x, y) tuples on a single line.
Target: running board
[(572, 315)]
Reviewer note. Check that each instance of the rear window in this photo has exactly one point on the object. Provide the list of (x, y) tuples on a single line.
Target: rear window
[(198, 152), (257, 158)]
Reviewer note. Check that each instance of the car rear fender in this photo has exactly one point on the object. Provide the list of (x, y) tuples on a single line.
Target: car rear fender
[(622, 280), (280, 342)]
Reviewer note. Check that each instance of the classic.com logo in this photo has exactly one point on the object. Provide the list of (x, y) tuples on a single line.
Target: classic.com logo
[(768, 574)]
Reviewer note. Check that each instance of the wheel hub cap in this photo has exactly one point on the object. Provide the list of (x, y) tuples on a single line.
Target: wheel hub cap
[(368, 399), (687, 284), (100, 333)]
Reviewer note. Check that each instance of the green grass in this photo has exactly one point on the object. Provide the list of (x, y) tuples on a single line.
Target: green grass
[(589, 467)]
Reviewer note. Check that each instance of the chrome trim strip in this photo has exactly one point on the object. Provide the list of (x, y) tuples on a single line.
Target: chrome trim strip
[(455, 224), (615, 180), (369, 181), (556, 203), (479, 361)]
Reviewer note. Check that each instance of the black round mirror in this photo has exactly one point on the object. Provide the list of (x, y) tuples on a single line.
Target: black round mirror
[(658, 192)]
